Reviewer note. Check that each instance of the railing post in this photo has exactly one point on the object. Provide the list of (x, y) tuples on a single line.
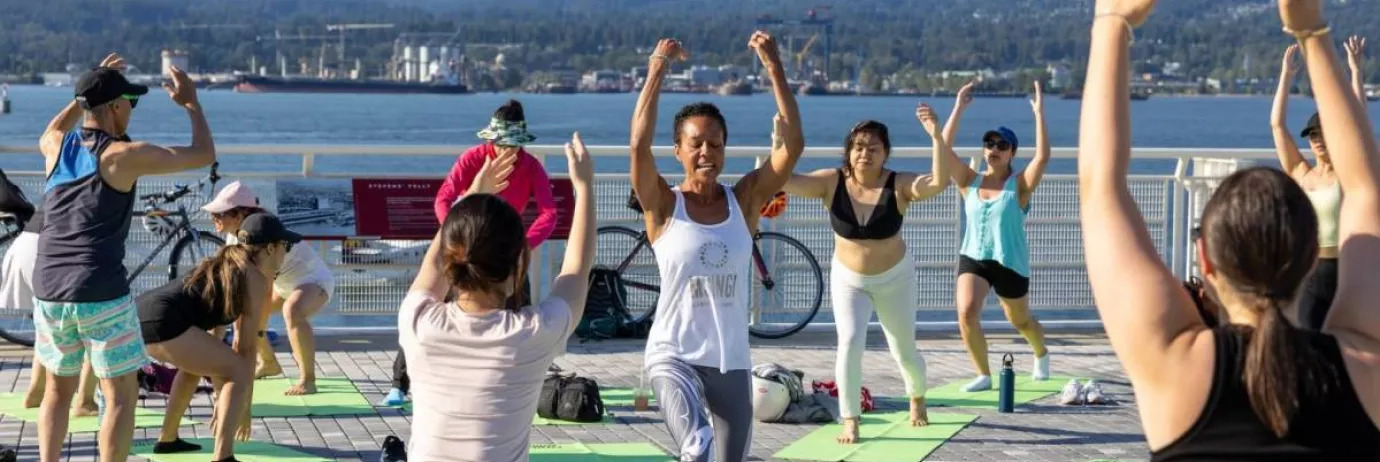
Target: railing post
[(308, 164), (1177, 260)]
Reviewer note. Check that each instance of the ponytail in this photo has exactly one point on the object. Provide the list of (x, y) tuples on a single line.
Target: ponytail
[(224, 278), (1274, 364)]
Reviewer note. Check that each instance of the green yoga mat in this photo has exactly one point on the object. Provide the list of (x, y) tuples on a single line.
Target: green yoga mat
[(613, 397), (334, 396), (580, 452), (247, 451), (12, 404), (1027, 390), (883, 438)]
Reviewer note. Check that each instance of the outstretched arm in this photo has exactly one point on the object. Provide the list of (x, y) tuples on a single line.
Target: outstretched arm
[(1036, 170), (958, 171), (923, 187), (651, 189), (1356, 60), (1143, 307), (760, 185), (1290, 159), (572, 284), (1351, 144)]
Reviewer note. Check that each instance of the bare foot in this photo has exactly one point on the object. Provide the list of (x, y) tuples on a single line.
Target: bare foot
[(86, 410), (850, 431), (919, 416), (302, 388), (268, 370)]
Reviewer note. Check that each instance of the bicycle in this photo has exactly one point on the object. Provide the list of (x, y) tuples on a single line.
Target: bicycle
[(173, 227), (794, 262)]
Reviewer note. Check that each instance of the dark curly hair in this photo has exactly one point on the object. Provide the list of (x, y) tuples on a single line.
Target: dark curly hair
[(876, 129), (485, 244), (700, 109), (510, 111)]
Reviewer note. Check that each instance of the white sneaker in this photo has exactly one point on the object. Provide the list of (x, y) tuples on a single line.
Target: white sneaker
[(981, 383), (1041, 368), (1093, 393), (1072, 394)]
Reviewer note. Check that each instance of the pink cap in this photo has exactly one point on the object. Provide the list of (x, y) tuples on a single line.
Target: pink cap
[(233, 195)]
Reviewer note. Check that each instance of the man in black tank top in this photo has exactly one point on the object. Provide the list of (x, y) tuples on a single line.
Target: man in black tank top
[(82, 307)]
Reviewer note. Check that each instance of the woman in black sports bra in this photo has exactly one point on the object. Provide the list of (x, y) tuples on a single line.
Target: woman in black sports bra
[(1255, 387), (872, 268), (231, 287)]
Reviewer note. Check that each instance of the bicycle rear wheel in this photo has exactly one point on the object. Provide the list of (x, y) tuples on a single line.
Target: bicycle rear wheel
[(788, 289), (186, 253), (628, 252)]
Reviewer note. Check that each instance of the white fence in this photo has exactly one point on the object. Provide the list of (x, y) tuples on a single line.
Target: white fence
[(373, 282)]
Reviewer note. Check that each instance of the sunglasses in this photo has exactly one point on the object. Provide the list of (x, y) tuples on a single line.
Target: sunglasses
[(133, 100), (1000, 145), (1315, 135)]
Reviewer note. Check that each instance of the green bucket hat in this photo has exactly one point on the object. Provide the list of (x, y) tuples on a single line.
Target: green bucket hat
[(507, 132)]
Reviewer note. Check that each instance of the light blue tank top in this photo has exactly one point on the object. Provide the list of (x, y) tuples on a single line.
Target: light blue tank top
[(995, 228)]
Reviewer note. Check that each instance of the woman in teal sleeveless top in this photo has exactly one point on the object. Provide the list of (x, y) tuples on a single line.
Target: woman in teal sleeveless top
[(995, 255)]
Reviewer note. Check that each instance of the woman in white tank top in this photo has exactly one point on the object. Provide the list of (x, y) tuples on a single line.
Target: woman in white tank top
[(697, 355)]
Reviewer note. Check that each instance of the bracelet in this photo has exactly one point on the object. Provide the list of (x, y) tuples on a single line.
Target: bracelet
[(1307, 34), (1130, 31)]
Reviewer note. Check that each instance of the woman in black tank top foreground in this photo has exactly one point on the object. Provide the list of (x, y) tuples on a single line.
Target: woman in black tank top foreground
[(1254, 388), (231, 287), (872, 267)]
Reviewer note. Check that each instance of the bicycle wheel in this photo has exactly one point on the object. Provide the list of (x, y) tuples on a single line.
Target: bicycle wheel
[(628, 252), (16, 324), (185, 255), (788, 289)]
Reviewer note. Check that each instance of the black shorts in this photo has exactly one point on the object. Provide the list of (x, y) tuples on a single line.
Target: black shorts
[(1007, 283), (1318, 291)]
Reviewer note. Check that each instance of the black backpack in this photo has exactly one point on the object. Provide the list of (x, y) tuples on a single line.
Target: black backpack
[(606, 309), (570, 398), (12, 200)]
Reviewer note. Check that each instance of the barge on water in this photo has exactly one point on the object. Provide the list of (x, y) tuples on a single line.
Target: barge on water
[(258, 84)]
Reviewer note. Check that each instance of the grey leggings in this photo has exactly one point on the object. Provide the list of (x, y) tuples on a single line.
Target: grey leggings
[(687, 395)]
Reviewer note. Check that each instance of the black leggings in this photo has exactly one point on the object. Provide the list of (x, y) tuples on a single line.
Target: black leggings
[(1315, 300), (400, 379)]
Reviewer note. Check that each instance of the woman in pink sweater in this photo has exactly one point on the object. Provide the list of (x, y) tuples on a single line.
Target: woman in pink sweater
[(525, 179)]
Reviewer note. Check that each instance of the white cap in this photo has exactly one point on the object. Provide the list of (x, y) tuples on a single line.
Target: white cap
[(233, 195)]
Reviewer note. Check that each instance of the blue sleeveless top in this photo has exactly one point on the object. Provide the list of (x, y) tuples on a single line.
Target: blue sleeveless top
[(995, 228)]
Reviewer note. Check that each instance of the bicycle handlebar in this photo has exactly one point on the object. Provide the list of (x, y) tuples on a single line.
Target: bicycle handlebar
[(179, 191)]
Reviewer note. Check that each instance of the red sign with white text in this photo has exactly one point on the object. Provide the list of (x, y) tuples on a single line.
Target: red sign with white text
[(403, 208)]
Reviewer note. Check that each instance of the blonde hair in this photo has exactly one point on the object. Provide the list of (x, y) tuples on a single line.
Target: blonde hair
[(225, 277)]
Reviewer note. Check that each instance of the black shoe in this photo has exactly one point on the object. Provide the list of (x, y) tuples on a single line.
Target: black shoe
[(393, 450), (175, 446), (8, 454)]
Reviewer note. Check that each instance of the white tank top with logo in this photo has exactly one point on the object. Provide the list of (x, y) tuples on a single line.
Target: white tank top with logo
[(702, 313)]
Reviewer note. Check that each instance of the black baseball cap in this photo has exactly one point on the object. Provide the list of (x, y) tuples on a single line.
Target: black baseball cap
[(264, 228), (1313, 124), (103, 85)]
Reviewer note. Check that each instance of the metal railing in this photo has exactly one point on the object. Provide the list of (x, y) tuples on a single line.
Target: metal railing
[(374, 283)]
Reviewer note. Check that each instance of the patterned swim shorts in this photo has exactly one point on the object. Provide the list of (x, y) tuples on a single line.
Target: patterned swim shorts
[(109, 330)]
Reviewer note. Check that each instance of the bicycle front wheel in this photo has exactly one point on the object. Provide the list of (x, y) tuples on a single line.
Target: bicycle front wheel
[(788, 289), (628, 252), (191, 250)]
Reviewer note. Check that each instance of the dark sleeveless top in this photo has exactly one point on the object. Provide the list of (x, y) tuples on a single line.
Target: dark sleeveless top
[(81, 246), (886, 217), (1330, 425), (171, 309)]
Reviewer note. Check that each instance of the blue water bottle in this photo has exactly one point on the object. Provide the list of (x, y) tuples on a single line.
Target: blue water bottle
[(1006, 397)]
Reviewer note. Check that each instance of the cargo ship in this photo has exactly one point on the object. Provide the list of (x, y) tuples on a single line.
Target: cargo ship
[(257, 84)]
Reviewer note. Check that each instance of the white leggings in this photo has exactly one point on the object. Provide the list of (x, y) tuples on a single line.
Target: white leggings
[(892, 295)]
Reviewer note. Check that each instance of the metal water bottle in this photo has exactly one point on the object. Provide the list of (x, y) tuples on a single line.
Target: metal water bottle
[(1006, 396)]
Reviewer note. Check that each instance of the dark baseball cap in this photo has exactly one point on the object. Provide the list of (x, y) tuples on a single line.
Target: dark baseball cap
[(103, 85), (264, 228), (1005, 134), (1313, 124)]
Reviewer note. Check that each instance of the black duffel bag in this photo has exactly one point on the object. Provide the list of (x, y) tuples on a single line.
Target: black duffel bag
[(570, 398)]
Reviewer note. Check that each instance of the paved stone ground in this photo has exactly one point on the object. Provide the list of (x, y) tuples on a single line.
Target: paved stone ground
[(1041, 431)]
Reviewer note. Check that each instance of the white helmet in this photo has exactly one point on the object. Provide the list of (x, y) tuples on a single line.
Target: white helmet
[(769, 399)]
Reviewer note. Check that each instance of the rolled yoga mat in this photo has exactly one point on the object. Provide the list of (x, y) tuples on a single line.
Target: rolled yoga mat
[(883, 437)]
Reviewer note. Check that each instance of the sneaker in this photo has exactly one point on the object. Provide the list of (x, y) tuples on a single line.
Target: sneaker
[(393, 450), (1041, 368), (1093, 393), (395, 397), (981, 383), (1072, 394)]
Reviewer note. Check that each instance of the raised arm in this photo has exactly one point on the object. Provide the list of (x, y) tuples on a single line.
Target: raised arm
[(1351, 144), (149, 159), (1356, 60), (1036, 170), (1290, 159), (431, 277), (761, 184), (572, 284), (923, 187), (959, 171), (1144, 309), (50, 143), (649, 186)]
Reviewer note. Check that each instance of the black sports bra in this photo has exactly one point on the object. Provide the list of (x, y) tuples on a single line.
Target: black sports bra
[(886, 217)]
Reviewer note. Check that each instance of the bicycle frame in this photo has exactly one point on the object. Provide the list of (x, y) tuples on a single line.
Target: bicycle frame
[(180, 228), (757, 261)]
